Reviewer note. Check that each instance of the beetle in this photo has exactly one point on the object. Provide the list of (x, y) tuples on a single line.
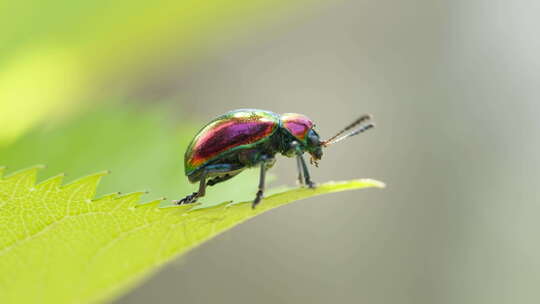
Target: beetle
[(247, 138)]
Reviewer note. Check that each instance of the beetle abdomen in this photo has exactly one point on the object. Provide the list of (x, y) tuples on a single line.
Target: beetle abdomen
[(229, 132)]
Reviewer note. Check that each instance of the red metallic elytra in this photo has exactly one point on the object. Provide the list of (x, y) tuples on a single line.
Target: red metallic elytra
[(246, 138)]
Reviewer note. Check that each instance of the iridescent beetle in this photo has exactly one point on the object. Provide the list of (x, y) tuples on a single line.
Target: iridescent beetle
[(247, 138)]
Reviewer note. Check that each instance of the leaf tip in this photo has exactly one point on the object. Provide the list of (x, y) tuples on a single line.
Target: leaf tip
[(157, 203), (105, 197), (136, 194), (54, 180), (92, 179), (30, 172), (372, 182)]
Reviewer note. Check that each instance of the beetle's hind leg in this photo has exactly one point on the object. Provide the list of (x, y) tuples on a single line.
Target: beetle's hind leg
[(210, 176), (192, 198)]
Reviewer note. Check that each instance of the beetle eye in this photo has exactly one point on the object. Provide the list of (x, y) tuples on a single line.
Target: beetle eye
[(313, 138)]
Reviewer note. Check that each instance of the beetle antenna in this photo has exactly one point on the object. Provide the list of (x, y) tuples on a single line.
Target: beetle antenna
[(362, 129), (355, 123), (339, 136)]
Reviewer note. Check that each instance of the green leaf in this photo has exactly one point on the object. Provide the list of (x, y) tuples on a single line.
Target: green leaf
[(58, 244)]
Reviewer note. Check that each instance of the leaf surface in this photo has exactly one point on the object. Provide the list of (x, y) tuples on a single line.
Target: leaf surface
[(59, 244)]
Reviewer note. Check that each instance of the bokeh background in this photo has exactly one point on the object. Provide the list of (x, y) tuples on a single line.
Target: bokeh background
[(453, 85)]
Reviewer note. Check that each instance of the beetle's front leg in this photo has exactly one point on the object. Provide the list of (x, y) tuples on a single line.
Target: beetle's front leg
[(303, 172)]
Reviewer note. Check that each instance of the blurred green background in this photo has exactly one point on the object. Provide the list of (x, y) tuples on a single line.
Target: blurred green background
[(453, 85)]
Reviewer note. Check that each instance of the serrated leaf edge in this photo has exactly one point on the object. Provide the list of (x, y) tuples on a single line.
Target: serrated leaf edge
[(95, 179)]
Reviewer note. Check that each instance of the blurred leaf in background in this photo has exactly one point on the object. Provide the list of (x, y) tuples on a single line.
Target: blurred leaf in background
[(56, 53)]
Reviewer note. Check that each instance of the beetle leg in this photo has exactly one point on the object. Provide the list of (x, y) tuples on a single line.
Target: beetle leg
[(295, 146), (302, 168), (262, 177), (192, 198), (219, 179), (202, 185), (305, 171), (299, 167)]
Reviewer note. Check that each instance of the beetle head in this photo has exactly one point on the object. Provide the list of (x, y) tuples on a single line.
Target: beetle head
[(302, 128)]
